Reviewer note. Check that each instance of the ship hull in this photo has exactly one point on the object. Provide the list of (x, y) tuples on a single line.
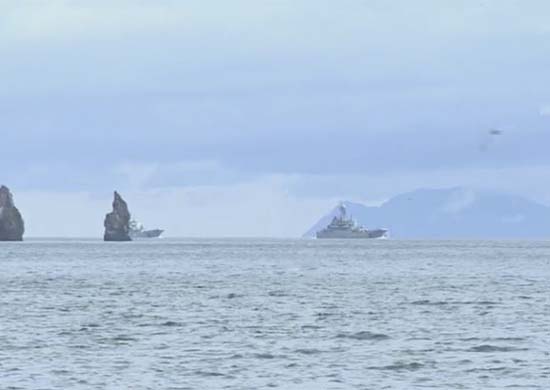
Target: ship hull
[(344, 234), (155, 233)]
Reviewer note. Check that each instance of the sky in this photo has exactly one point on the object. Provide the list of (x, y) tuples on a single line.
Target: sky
[(253, 118)]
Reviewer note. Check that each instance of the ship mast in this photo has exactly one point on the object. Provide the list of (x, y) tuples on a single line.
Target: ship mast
[(342, 209)]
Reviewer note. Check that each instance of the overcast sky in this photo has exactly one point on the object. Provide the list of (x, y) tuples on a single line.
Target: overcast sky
[(250, 117)]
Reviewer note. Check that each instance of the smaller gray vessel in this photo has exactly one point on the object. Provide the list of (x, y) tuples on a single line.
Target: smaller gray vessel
[(343, 227), (138, 231)]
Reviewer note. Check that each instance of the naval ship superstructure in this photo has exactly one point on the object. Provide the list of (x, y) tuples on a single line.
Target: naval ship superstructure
[(343, 226)]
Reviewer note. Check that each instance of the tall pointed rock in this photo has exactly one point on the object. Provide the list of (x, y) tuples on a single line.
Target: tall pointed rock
[(117, 222), (12, 226)]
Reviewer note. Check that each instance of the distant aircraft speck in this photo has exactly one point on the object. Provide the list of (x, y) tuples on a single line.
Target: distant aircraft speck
[(488, 139)]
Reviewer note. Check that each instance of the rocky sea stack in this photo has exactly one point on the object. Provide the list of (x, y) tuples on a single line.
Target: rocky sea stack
[(12, 226), (117, 222)]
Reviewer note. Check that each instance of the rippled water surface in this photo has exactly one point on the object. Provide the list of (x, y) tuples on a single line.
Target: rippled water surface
[(289, 314)]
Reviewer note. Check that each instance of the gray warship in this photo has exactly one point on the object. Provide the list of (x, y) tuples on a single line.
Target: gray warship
[(344, 227), (138, 231)]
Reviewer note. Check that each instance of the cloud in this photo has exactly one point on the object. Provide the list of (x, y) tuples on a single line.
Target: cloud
[(544, 110), (61, 21), (61, 214), (525, 180), (115, 94), (136, 175), (516, 218), (279, 23)]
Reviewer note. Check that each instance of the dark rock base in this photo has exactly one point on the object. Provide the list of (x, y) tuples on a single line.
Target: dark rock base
[(116, 237)]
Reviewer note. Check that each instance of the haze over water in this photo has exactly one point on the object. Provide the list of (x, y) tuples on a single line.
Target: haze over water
[(289, 314)]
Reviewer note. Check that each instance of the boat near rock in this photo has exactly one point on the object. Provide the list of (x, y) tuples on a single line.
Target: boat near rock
[(137, 230), (344, 227)]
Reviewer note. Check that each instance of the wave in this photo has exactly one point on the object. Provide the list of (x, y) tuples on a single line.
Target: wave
[(494, 348), (363, 335)]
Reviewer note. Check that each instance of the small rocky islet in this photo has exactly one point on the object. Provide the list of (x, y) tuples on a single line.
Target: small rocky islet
[(117, 222), (12, 226)]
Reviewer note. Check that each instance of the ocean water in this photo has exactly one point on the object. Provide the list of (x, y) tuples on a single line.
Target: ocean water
[(288, 314)]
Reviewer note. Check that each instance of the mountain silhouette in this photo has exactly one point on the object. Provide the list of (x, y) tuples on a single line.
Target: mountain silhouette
[(454, 213)]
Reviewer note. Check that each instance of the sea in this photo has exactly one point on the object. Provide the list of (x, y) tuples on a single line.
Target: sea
[(268, 314)]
